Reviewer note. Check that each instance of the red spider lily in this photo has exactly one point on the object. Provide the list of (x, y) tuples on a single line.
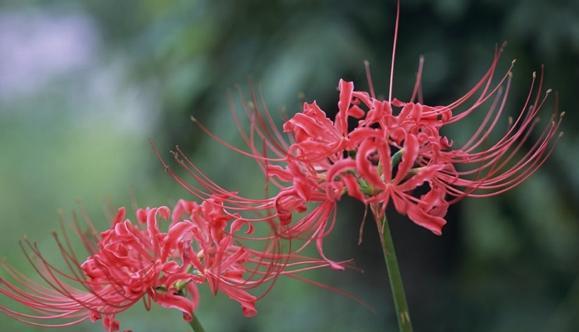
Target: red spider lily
[(220, 256), (394, 152), (129, 262), (389, 153)]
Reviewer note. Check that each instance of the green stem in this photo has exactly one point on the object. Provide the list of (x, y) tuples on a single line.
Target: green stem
[(396, 284), (196, 324)]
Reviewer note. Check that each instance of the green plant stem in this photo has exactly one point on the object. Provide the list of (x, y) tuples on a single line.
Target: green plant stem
[(396, 284), (196, 324)]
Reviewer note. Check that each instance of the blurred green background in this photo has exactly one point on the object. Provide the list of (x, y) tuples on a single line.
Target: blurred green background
[(84, 85)]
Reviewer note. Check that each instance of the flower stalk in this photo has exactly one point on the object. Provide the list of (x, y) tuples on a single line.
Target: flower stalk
[(394, 275), (196, 324)]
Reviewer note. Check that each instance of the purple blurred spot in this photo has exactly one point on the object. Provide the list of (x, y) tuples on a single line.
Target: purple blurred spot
[(36, 48)]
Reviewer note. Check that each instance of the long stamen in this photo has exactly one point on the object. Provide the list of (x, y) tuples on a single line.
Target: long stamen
[(390, 85)]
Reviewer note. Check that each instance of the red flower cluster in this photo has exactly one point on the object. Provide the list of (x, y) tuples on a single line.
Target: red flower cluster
[(138, 261), (396, 147), (381, 151)]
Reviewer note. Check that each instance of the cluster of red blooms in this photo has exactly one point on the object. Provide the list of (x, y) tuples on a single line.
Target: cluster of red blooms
[(396, 147), (130, 262), (377, 151)]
